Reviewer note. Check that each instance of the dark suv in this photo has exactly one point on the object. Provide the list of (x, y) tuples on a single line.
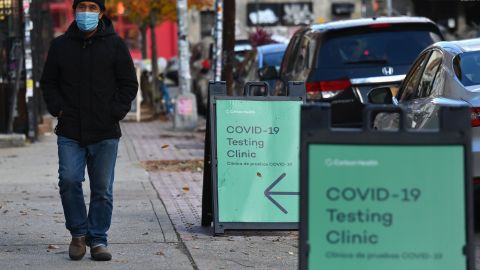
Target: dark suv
[(341, 61)]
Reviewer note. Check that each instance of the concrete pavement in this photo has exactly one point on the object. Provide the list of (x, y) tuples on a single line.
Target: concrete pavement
[(156, 219), (32, 231)]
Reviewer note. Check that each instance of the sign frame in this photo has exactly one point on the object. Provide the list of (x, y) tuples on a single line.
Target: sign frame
[(217, 91), (316, 129)]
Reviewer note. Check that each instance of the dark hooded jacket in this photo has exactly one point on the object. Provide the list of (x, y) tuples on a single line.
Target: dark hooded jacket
[(91, 81)]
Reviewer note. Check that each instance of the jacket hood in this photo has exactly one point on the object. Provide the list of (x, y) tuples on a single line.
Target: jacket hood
[(105, 28)]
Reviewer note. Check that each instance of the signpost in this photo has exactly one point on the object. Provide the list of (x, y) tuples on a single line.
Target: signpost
[(255, 161), (386, 200)]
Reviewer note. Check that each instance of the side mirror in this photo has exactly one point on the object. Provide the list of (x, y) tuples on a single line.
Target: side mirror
[(268, 73), (380, 95)]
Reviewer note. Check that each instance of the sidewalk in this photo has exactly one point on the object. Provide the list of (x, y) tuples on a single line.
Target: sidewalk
[(156, 219), (181, 192)]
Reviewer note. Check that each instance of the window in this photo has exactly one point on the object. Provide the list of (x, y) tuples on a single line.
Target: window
[(373, 48), (429, 73), (467, 68), (301, 60), (413, 77), (207, 19), (291, 51)]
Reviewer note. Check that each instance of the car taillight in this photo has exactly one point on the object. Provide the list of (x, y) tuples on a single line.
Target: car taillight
[(475, 116), (476, 181), (380, 25), (326, 89)]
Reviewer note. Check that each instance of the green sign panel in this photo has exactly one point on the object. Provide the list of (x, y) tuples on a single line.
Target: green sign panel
[(386, 207), (258, 160)]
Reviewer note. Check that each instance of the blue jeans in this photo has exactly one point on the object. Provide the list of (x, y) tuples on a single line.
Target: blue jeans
[(99, 159)]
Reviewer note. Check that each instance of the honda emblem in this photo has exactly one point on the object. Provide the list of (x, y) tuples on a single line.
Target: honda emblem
[(387, 71)]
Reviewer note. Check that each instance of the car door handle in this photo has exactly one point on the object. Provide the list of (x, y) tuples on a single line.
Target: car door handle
[(419, 112)]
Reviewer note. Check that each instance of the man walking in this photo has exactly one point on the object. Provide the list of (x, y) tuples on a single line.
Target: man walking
[(89, 83)]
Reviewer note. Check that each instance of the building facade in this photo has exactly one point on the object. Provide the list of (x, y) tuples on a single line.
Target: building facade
[(62, 16), (457, 18)]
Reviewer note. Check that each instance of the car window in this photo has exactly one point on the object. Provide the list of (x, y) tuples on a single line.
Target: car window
[(428, 76), (272, 59), (467, 68), (378, 47), (302, 56), (412, 79), (289, 56)]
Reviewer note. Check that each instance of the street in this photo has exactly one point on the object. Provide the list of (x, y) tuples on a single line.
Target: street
[(156, 219)]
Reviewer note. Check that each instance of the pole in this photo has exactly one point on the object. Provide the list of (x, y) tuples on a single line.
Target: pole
[(185, 117), (217, 49), (27, 46), (258, 13), (364, 8), (184, 78), (228, 44), (389, 8), (155, 85)]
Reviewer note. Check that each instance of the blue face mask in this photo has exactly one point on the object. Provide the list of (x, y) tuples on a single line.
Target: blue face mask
[(86, 21)]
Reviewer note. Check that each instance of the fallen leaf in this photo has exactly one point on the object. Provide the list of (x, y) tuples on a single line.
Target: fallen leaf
[(196, 247), (53, 247), (259, 174), (172, 165), (23, 212), (145, 233), (160, 253), (5, 211), (165, 146), (186, 188)]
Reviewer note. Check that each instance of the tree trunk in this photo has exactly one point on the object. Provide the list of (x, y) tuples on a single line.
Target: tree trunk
[(153, 36), (143, 33), (228, 43)]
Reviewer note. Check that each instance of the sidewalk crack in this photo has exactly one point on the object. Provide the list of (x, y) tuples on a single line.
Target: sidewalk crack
[(155, 212), (181, 243)]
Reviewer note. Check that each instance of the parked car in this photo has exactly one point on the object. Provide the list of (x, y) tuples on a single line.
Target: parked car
[(257, 60), (242, 47), (270, 55), (341, 61), (445, 74)]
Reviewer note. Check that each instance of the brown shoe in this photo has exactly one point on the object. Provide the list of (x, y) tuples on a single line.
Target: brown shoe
[(100, 253), (77, 248)]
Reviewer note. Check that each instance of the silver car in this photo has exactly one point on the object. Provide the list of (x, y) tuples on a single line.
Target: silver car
[(444, 74)]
